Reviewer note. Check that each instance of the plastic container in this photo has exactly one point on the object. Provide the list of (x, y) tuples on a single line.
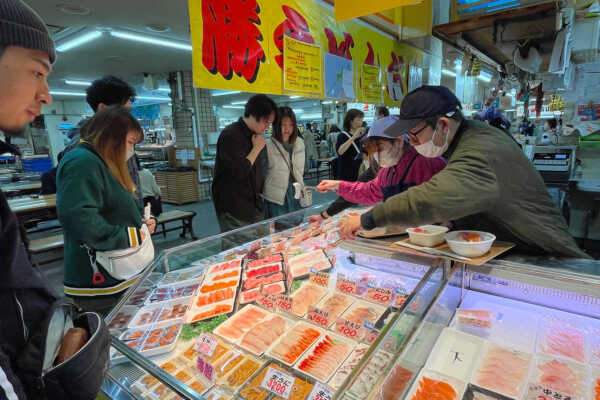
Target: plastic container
[(343, 348), (462, 246), (173, 311), (173, 292), (427, 235), (188, 275), (428, 376)]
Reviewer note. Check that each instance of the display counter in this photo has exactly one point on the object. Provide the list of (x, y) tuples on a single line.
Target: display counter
[(274, 311)]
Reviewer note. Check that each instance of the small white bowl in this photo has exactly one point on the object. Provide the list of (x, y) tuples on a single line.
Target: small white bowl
[(470, 249), (433, 235)]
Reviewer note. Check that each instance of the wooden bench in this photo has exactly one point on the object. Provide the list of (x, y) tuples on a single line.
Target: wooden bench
[(186, 218), (46, 244)]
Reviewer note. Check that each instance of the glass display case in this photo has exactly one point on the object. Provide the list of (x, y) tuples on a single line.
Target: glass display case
[(280, 309), (507, 330)]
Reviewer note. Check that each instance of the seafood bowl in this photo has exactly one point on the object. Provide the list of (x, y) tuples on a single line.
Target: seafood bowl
[(427, 235), (470, 243)]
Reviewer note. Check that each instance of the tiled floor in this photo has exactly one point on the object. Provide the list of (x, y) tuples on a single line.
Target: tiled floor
[(205, 224)]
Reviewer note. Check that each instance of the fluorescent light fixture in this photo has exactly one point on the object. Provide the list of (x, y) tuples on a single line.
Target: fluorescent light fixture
[(164, 89), (458, 64), (153, 98), (78, 40), (327, 102), (65, 93), (511, 110), (484, 77), (447, 72), (215, 94), (151, 40), (234, 107), (298, 111), (237, 103), (78, 83), (295, 97)]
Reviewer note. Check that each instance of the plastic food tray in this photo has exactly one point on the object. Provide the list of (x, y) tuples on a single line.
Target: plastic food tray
[(144, 333), (172, 292), (236, 317), (351, 344), (298, 325), (155, 312), (182, 276), (289, 324), (458, 386), (121, 320)]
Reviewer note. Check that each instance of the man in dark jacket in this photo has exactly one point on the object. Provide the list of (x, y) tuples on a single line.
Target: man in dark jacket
[(26, 57), (239, 174)]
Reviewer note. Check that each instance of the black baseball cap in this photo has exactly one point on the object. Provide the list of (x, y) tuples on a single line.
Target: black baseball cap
[(423, 103)]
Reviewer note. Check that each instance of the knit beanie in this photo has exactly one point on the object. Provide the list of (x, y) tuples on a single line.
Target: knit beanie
[(21, 26)]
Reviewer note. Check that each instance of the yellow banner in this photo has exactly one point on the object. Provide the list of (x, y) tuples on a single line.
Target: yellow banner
[(239, 45), (348, 9), (371, 84), (303, 72)]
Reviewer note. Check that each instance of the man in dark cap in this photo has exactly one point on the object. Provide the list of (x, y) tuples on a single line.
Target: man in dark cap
[(487, 185), (26, 57)]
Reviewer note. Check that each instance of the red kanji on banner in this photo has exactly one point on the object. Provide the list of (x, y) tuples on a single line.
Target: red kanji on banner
[(232, 42), (343, 50), (370, 59), (294, 26)]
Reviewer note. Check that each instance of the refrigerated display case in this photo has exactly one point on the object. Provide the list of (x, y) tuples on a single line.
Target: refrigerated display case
[(507, 330), (274, 310)]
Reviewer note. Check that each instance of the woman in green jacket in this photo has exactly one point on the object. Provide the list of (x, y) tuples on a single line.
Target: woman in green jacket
[(97, 208)]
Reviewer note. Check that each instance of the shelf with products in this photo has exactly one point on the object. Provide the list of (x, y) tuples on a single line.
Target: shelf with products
[(291, 300)]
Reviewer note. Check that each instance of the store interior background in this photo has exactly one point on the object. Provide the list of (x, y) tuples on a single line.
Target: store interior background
[(175, 114)]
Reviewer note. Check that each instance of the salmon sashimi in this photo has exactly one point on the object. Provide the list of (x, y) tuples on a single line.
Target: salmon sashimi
[(235, 327), (504, 371), (477, 318), (209, 287), (305, 297), (224, 275), (325, 358), (597, 390), (294, 343), (213, 312), (432, 389), (395, 383), (215, 297), (335, 305), (361, 314), (253, 283), (564, 340), (262, 335), (252, 295), (561, 376), (264, 270)]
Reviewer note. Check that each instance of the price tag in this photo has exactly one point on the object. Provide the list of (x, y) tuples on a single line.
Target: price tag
[(278, 382), (284, 303), (370, 336), (320, 392), (205, 369), (346, 285), (318, 316), (379, 295), (349, 329), (400, 299), (267, 301), (319, 278), (206, 344), (539, 392)]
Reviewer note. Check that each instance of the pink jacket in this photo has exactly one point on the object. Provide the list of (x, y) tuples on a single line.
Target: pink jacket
[(393, 180)]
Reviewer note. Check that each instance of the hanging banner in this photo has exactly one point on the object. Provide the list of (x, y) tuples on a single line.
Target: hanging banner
[(371, 84), (239, 45), (348, 9), (303, 72)]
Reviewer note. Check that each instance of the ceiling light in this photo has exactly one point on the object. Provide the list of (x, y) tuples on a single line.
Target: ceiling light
[(64, 93), (151, 40), (237, 103), (484, 77), (511, 110), (215, 94), (298, 111), (78, 40), (447, 72), (153, 98), (295, 97), (164, 89), (78, 83), (327, 102), (234, 107)]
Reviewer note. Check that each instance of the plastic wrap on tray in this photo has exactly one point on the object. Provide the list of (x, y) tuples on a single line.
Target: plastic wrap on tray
[(430, 385), (301, 265), (139, 296), (326, 355), (348, 366), (562, 338), (370, 374), (163, 312), (122, 318), (263, 334), (253, 390), (241, 373), (455, 354), (250, 296), (235, 327), (307, 295), (290, 347), (173, 292), (225, 266), (559, 374)]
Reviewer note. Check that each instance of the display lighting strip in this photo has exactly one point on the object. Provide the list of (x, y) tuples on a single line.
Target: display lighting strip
[(237, 103), (153, 98), (78, 40), (295, 97), (151, 40), (484, 77)]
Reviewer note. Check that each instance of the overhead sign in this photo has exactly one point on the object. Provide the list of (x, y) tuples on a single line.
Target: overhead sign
[(348, 9)]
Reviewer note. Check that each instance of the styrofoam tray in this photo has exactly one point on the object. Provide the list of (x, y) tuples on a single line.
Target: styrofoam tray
[(237, 263), (156, 310), (146, 330), (236, 317), (289, 324), (169, 293), (194, 311), (298, 325), (351, 344), (333, 318), (379, 309), (217, 276)]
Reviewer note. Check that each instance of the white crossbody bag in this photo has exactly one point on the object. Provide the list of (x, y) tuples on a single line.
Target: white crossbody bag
[(123, 264)]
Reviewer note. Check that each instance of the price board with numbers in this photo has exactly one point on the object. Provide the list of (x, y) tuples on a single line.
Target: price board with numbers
[(318, 316), (345, 285), (380, 295), (206, 344), (267, 301), (540, 392), (278, 382), (284, 303), (349, 329), (319, 278), (320, 392)]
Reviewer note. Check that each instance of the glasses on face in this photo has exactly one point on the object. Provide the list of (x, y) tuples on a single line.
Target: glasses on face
[(414, 132)]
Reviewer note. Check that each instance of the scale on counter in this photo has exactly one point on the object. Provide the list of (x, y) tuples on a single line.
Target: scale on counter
[(555, 163)]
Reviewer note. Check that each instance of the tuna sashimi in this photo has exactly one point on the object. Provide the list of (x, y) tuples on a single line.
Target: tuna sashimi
[(327, 355), (264, 270), (253, 283), (305, 297), (264, 334), (504, 371), (430, 389)]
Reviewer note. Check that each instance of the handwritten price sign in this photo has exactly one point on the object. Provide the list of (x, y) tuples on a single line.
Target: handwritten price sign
[(320, 392), (319, 278), (278, 382), (284, 303), (206, 369), (379, 295), (267, 301), (349, 329), (370, 336), (346, 286), (206, 344), (318, 316), (539, 392)]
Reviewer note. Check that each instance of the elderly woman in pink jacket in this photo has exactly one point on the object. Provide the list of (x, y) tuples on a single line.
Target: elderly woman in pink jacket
[(400, 168)]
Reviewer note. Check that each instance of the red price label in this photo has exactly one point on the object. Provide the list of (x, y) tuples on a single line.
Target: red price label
[(347, 286), (349, 329), (284, 303), (319, 278), (267, 301), (278, 382), (317, 316), (539, 392), (379, 295), (206, 344)]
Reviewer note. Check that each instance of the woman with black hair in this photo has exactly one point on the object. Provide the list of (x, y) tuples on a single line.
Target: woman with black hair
[(347, 146), (286, 155)]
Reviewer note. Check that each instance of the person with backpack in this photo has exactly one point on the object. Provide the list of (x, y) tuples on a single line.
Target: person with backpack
[(28, 368)]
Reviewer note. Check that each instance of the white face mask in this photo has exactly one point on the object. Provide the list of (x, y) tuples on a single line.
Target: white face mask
[(389, 157), (430, 149)]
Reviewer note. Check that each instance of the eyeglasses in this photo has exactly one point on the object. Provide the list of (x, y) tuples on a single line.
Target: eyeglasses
[(412, 134)]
